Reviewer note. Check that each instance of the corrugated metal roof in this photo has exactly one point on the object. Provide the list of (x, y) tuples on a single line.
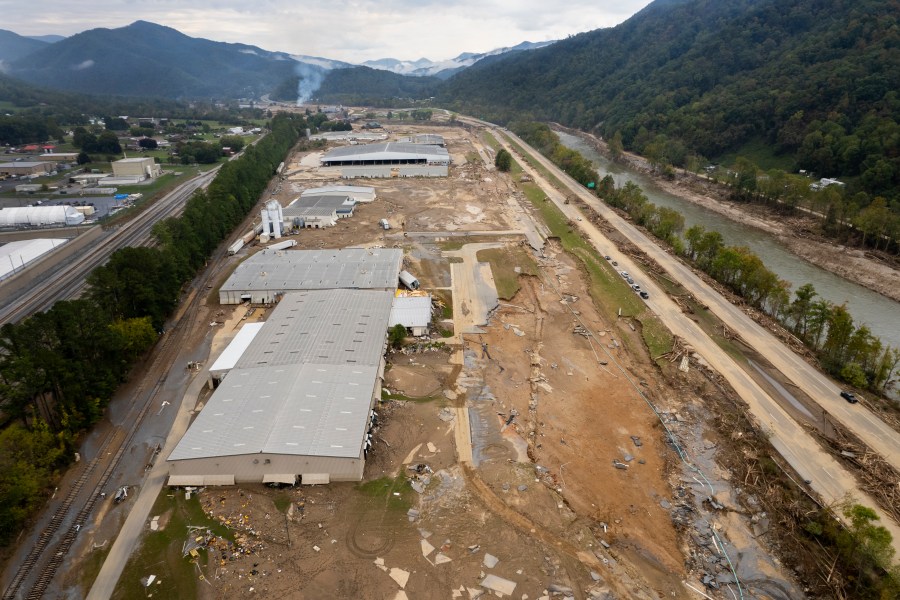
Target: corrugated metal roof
[(388, 151), (348, 268), (305, 384), (310, 409), (327, 327), (411, 311)]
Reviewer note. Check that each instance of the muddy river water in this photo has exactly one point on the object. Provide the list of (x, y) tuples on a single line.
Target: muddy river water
[(881, 314)]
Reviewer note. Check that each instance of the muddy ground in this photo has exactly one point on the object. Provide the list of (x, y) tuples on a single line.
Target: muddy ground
[(555, 396)]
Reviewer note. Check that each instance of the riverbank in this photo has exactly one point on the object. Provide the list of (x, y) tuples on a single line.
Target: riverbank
[(797, 233)]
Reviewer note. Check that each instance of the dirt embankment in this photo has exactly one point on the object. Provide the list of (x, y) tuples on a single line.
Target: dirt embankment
[(799, 233)]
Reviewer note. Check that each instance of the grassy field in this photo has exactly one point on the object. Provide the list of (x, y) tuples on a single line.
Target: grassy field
[(160, 551), (608, 290), (504, 262), (759, 153)]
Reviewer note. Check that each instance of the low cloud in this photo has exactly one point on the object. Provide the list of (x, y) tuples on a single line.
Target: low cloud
[(87, 64)]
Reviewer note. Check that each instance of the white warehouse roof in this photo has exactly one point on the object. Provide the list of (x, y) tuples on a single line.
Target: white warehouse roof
[(305, 384), (352, 268), (236, 348), (40, 215), (16, 255), (411, 311), (387, 152)]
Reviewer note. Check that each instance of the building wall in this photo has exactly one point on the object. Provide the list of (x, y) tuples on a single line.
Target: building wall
[(38, 169), (387, 171), (250, 468), (136, 168)]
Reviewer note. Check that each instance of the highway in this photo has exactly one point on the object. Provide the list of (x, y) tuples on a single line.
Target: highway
[(69, 281), (829, 478)]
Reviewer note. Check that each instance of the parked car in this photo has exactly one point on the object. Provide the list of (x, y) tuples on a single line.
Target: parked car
[(636, 287), (607, 258), (644, 295), (624, 274), (849, 397), (615, 264)]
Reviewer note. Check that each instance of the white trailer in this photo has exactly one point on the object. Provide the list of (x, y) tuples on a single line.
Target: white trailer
[(282, 245), (384, 224), (233, 249), (407, 279)]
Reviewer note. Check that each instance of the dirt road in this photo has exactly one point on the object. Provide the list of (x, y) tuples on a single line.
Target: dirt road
[(801, 451)]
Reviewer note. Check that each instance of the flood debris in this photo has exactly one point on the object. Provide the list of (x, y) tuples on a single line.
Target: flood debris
[(498, 584), (446, 414), (620, 465), (490, 561), (637, 441), (400, 576)]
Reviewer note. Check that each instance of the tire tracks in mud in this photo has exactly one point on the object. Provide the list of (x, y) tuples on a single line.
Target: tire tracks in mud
[(572, 556)]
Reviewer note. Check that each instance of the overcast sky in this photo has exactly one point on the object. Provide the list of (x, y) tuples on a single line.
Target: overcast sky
[(349, 30)]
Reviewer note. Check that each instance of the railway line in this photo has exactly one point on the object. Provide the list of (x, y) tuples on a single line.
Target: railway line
[(71, 281), (70, 284)]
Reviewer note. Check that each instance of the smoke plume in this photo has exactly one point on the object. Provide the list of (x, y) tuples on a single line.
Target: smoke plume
[(310, 79)]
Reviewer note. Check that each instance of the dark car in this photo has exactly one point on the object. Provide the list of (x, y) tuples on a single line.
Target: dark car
[(644, 295), (608, 257), (615, 264), (849, 397)]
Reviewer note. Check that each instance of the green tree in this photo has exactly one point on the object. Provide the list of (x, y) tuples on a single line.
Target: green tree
[(397, 335), (503, 160)]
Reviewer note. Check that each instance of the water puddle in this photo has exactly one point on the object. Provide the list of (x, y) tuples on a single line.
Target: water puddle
[(783, 391)]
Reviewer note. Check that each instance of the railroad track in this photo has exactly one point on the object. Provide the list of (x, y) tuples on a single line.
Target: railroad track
[(132, 233), (71, 281), (166, 355)]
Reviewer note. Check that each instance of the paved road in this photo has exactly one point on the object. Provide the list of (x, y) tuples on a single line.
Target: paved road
[(862, 422), (830, 479)]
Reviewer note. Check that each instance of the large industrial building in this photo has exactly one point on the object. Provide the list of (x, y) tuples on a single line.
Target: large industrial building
[(16, 169), (316, 212), (389, 159), (136, 168), (298, 403), (40, 216), (267, 275)]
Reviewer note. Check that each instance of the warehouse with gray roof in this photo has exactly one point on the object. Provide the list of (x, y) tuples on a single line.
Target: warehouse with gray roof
[(267, 275), (298, 403), (388, 159)]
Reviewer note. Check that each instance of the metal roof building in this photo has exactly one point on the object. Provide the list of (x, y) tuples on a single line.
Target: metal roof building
[(389, 159), (268, 274), (413, 312), (360, 193), (315, 211), (299, 401)]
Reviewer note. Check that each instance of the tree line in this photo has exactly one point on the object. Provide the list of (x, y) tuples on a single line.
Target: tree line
[(852, 353), (59, 369), (845, 350)]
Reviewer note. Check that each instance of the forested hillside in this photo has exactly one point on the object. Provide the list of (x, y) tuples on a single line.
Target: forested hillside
[(364, 86), (811, 84), (145, 59)]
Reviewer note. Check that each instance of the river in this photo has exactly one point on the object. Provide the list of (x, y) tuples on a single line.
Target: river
[(881, 314)]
